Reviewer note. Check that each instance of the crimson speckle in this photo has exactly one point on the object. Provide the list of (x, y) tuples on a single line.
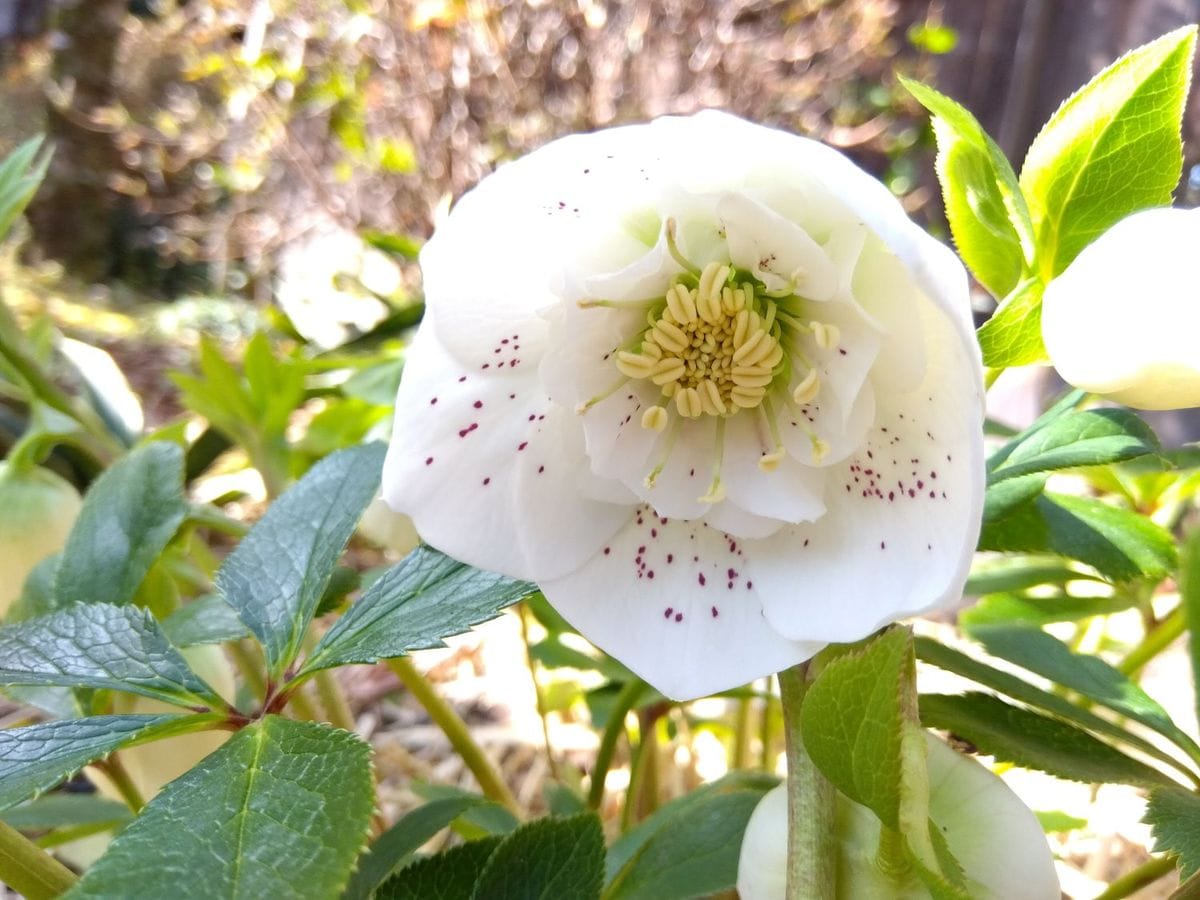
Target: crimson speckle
[(478, 404), (607, 550), (714, 612), (678, 617), (462, 378), (522, 445), (433, 401), (429, 460), (667, 612), (541, 469), (700, 577), (650, 573), (882, 545), (487, 481), (670, 558), (749, 585)]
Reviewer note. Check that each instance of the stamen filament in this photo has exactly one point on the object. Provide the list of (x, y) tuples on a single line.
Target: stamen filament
[(716, 490), (599, 398), (769, 462), (672, 436), (673, 249)]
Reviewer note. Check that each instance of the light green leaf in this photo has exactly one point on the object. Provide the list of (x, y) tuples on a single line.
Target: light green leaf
[(1029, 739), (396, 845), (100, 646), (1089, 437), (36, 758), (1020, 574), (1111, 149), (20, 176), (1174, 818), (208, 620), (450, 875), (544, 859), (1013, 334), (128, 516), (1023, 609), (64, 810), (984, 206), (413, 606), (277, 575), (1119, 543), (280, 810), (1004, 497)]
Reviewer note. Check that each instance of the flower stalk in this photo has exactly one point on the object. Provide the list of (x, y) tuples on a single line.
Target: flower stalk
[(626, 700), (29, 870), (811, 871)]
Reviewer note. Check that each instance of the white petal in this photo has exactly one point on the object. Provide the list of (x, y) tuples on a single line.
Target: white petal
[(904, 510), (842, 432), (793, 492), (670, 599), (1122, 319), (489, 470), (762, 864), (884, 288)]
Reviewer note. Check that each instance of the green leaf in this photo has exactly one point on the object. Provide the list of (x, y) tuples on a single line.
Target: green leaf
[(1013, 334), (36, 758), (413, 606), (1189, 597), (984, 206), (481, 817), (1091, 676), (1029, 739), (1055, 820), (627, 847), (1064, 406), (1022, 609), (544, 859), (852, 720), (1013, 686), (1118, 543), (63, 810), (396, 845), (20, 176), (101, 646), (1004, 497), (448, 876), (1111, 149), (1088, 437), (694, 855), (1019, 575), (277, 575), (280, 810), (208, 620), (1174, 818), (128, 516)]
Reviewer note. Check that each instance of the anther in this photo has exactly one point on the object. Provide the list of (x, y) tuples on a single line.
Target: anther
[(655, 418), (808, 388), (769, 462), (749, 346), (669, 336), (826, 336), (635, 365), (820, 449), (669, 368)]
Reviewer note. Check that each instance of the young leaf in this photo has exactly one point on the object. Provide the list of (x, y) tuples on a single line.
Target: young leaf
[(546, 858), (128, 516), (424, 598), (396, 845), (1016, 735), (1174, 817), (277, 575), (1091, 676), (450, 875), (1013, 335), (1118, 543), (37, 757), (984, 206), (1111, 149), (280, 810), (1088, 437), (100, 646), (209, 620)]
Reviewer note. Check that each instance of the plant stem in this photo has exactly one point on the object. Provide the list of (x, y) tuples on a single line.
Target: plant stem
[(1155, 642), (539, 698), (810, 865), (119, 776), (29, 870), (741, 734), (333, 701), (452, 725), (302, 705), (615, 727), (249, 667), (765, 731), (1146, 873)]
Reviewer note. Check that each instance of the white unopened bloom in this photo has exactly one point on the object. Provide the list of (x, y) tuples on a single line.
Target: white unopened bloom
[(996, 839), (707, 385), (1123, 319)]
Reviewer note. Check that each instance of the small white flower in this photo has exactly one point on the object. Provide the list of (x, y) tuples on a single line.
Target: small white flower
[(996, 839), (707, 385), (1122, 320)]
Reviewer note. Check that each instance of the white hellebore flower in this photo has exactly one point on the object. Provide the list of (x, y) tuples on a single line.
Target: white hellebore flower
[(1122, 320), (996, 839), (707, 385)]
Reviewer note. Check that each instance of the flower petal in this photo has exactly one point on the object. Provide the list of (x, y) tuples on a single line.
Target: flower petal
[(670, 599), (904, 512), (486, 469), (792, 493)]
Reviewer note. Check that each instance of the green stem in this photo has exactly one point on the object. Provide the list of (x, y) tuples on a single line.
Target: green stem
[(333, 701), (1155, 642), (810, 866), (444, 716), (615, 727), (302, 704), (115, 770), (29, 870), (990, 376), (1146, 873), (637, 778), (765, 730), (524, 615), (741, 734), (250, 668)]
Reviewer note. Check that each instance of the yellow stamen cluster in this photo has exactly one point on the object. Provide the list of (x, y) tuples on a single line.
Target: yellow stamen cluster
[(709, 350)]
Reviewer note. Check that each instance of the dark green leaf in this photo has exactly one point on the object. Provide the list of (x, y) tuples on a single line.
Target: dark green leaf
[(63, 810), (278, 573), (1087, 437), (1029, 739), (1002, 498), (1118, 543), (1062, 407), (100, 646), (36, 758), (1091, 676), (1111, 149), (425, 598), (448, 876), (1174, 817), (208, 620), (546, 859), (128, 516), (480, 818), (984, 206), (396, 845), (281, 810)]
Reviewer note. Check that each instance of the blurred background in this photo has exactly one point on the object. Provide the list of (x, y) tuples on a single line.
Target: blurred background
[(239, 189)]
